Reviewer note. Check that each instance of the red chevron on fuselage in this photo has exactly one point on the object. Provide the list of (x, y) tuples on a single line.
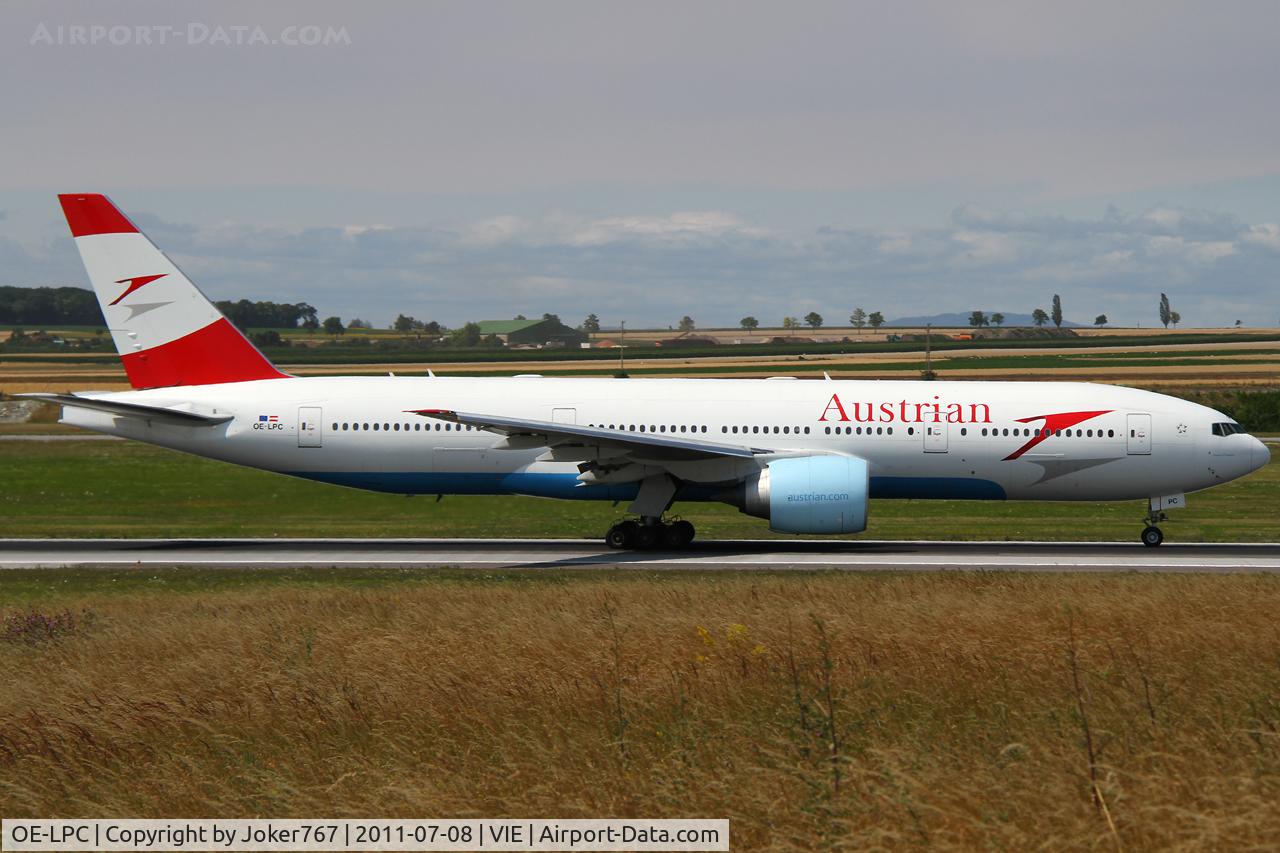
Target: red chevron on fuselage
[(1053, 424)]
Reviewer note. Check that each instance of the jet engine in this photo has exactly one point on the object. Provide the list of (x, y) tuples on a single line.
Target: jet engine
[(809, 494)]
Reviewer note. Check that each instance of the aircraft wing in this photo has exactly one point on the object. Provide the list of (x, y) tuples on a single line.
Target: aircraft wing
[(647, 444), (155, 414)]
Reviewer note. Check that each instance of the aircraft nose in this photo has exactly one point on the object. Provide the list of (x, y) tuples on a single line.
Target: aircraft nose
[(1261, 454)]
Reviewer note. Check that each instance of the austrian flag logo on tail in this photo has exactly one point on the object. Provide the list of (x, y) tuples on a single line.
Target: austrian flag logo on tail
[(135, 283)]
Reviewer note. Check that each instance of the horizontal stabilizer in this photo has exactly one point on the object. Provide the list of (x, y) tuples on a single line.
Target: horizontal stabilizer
[(155, 414)]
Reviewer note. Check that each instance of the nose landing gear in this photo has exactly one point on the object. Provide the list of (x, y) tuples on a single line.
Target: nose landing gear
[(1152, 536), (648, 533)]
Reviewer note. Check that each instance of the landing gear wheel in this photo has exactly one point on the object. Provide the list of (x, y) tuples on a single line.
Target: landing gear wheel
[(647, 536), (1152, 536), (681, 534), (622, 535)]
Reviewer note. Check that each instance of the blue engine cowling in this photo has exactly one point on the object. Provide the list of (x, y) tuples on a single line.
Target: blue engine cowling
[(810, 494)]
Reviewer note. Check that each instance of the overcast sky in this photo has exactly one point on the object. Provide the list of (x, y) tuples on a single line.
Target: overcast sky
[(643, 161)]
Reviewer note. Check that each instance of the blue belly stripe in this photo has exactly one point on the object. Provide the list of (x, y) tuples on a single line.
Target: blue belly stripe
[(426, 483), (566, 486)]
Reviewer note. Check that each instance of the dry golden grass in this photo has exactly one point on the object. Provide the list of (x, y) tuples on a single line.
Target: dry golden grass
[(816, 711)]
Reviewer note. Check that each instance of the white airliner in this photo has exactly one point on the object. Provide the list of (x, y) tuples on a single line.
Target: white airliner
[(806, 455)]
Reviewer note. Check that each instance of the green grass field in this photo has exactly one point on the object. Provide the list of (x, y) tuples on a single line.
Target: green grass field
[(125, 489)]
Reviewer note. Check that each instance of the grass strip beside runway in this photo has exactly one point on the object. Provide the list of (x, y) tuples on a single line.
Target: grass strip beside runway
[(124, 489)]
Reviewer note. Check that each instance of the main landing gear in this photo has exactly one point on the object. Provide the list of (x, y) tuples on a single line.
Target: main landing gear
[(648, 533)]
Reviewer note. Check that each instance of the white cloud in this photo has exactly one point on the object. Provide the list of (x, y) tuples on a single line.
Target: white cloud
[(985, 247), (1266, 234), (717, 265)]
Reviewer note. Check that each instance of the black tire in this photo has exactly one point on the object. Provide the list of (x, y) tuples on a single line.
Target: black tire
[(622, 536), (682, 534), (647, 536), (1152, 536)]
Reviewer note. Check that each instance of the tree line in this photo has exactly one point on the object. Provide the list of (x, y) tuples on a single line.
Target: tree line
[(74, 306), (49, 306)]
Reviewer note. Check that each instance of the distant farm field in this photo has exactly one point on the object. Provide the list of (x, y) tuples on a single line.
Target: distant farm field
[(1158, 360), (813, 710), (125, 489)]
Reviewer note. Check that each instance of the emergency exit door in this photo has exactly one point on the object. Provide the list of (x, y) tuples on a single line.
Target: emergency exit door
[(1138, 437), (935, 438), (310, 428)]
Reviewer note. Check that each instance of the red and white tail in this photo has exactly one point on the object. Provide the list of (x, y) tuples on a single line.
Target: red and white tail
[(167, 332)]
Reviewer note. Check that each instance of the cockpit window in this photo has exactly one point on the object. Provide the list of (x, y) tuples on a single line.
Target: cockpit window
[(1229, 428)]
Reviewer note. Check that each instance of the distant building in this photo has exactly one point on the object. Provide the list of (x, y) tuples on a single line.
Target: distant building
[(532, 332)]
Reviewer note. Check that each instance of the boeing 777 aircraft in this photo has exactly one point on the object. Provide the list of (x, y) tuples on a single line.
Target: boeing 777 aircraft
[(805, 455)]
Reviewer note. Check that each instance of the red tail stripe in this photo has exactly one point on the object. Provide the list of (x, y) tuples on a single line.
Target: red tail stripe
[(217, 353), (91, 213)]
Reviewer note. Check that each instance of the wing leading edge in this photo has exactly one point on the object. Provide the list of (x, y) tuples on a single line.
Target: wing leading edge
[(650, 444)]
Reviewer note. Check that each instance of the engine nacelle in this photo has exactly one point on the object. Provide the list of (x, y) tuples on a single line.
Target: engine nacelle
[(809, 494)]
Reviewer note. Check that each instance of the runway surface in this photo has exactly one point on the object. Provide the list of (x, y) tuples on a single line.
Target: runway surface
[(851, 555)]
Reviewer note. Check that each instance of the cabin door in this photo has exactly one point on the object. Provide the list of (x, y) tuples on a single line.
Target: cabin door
[(935, 438), (564, 416), (310, 431), (1138, 438)]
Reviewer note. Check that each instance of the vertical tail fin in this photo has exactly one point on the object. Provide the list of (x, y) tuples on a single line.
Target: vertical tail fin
[(166, 331)]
